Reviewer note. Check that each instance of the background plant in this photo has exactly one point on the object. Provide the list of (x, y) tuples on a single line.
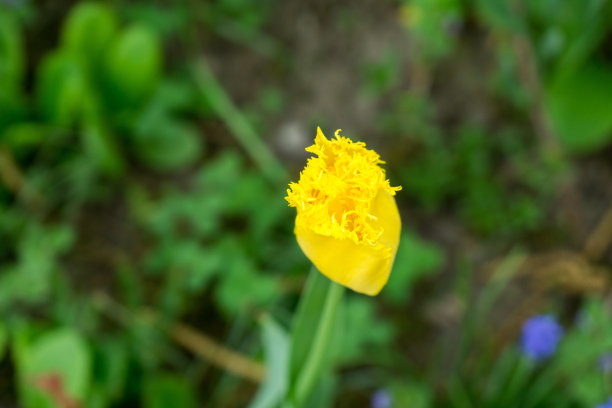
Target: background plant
[(144, 153)]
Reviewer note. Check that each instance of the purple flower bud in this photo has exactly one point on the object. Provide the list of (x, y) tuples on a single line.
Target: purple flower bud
[(381, 399), (605, 362), (540, 337)]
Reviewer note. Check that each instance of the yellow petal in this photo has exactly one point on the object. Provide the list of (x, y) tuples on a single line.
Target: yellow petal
[(363, 267)]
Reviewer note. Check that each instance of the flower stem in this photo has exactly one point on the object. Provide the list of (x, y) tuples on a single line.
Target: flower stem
[(311, 369)]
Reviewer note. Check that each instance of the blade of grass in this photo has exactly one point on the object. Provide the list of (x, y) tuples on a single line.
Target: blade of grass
[(237, 123)]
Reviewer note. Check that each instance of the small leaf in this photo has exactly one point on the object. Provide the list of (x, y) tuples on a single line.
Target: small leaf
[(276, 347), (57, 364), (167, 144), (62, 89), (242, 285), (88, 31), (134, 65)]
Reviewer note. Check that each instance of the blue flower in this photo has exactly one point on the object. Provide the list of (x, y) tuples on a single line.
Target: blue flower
[(381, 399), (605, 404), (540, 337), (605, 362)]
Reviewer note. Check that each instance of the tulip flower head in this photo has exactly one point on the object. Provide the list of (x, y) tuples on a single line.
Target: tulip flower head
[(347, 220)]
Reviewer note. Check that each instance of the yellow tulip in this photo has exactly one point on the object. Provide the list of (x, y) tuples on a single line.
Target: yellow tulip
[(347, 220)]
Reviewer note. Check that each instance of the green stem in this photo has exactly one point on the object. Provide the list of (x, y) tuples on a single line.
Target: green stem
[(312, 367), (237, 123)]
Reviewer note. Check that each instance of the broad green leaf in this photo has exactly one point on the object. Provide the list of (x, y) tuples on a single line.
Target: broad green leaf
[(323, 394), (316, 324), (58, 360), (88, 31), (580, 106), (306, 319), (572, 33), (166, 390), (276, 348), (134, 65), (62, 89)]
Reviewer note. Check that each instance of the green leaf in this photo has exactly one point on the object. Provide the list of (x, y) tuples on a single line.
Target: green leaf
[(23, 138), (315, 326), (197, 263), (165, 390), (411, 394), (61, 356), (572, 33), (62, 89), (11, 55), (580, 106), (29, 279), (162, 141), (110, 368), (134, 65), (415, 259), (306, 319), (242, 285), (12, 104), (167, 144), (88, 31), (276, 346), (579, 367)]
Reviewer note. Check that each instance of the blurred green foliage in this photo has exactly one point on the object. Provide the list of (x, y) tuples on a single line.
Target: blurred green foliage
[(124, 209)]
